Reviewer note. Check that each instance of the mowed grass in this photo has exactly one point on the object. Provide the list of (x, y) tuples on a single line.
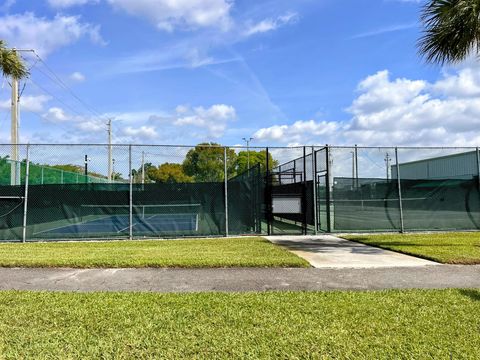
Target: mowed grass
[(412, 324), (195, 253), (448, 248)]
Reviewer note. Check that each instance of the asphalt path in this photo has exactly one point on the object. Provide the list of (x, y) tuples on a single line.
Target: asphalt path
[(240, 279)]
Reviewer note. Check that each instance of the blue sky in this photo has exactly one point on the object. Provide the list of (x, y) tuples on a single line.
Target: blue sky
[(185, 71)]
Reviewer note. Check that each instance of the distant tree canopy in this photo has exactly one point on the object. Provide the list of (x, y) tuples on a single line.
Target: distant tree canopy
[(205, 163), (69, 167), (74, 169), (169, 173), (256, 157)]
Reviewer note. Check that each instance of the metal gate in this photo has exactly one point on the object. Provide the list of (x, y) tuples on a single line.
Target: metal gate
[(322, 189), (289, 198)]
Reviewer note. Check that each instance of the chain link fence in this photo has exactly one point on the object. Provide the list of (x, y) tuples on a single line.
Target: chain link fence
[(63, 192), (398, 189), (57, 192)]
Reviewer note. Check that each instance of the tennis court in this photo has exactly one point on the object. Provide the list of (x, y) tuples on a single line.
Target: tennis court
[(146, 219)]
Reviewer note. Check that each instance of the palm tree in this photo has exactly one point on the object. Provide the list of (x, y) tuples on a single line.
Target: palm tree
[(10, 63)]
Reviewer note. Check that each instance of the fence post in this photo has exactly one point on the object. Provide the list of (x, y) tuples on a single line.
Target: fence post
[(130, 193), (399, 185), (327, 183), (478, 168), (314, 183), (225, 175), (267, 194), (304, 205), (356, 166), (42, 175), (25, 198)]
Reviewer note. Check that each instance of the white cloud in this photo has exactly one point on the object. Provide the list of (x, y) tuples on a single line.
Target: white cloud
[(169, 15), (397, 112), (213, 119), (271, 24), (295, 133), (77, 76), (69, 3), (144, 132), (34, 103), (89, 125), (465, 83), (184, 125), (46, 35), (56, 115)]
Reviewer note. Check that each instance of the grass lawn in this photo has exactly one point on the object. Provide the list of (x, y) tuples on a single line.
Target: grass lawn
[(238, 252), (412, 324), (449, 248)]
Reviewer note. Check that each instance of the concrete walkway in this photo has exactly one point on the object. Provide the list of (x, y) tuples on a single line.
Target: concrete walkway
[(245, 279), (327, 251)]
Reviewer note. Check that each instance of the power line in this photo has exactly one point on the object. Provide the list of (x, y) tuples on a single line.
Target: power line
[(55, 97), (67, 88), (56, 79)]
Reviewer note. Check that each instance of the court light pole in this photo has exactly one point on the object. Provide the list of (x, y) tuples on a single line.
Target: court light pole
[(113, 169), (248, 150), (87, 159), (353, 168), (387, 163)]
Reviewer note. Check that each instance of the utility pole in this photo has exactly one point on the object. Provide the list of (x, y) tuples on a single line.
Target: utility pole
[(387, 163), (15, 165), (143, 167), (248, 151), (109, 131)]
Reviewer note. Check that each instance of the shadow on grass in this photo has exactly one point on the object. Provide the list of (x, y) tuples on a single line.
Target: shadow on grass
[(471, 293)]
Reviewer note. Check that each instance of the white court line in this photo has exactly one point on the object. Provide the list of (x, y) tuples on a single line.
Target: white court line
[(64, 226), (119, 231)]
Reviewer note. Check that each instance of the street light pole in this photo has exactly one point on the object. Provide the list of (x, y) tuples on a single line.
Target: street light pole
[(248, 151)]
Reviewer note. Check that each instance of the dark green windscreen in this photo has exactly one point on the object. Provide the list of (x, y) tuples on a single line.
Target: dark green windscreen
[(246, 195), (373, 204), (364, 205)]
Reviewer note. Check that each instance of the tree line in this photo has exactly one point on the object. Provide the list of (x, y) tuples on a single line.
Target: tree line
[(205, 163)]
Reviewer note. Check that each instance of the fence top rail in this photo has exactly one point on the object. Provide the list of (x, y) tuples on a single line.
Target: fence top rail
[(404, 147), (317, 147), (159, 145)]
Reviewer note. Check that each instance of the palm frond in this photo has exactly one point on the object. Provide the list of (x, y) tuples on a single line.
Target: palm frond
[(11, 64), (452, 30)]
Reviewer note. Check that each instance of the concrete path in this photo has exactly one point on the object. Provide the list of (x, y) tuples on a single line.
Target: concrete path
[(254, 279), (327, 251)]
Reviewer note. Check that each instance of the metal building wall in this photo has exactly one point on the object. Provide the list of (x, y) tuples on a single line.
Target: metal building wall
[(458, 166)]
